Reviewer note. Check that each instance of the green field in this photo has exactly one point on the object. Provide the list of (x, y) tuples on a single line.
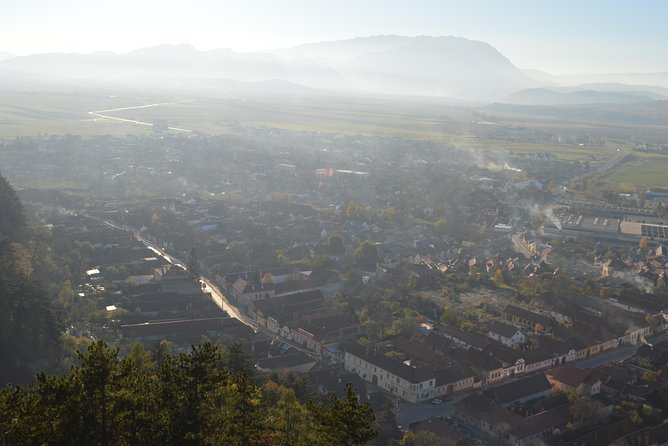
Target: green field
[(43, 114), (47, 113), (646, 170)]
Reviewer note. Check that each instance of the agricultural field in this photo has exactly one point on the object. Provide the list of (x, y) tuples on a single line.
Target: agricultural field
[(647, 170), (58, 113)]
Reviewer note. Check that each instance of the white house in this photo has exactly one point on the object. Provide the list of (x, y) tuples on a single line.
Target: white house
[(506, 334), (393, 376)]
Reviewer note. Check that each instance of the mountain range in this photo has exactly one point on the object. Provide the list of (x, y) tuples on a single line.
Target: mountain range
[(446, 67)]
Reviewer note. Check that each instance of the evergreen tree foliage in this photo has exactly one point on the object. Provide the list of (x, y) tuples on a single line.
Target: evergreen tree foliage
[(189, 399), (347, 421), (12, 217), (29, 327)]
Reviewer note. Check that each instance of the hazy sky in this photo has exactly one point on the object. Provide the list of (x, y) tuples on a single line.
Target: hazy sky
[(558, 36)]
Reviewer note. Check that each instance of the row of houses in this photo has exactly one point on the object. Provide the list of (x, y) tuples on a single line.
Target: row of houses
[(453, 360), (506, 414)]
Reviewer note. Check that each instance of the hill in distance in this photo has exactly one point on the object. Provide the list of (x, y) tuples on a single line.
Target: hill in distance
[(449, 67), (452, 68)]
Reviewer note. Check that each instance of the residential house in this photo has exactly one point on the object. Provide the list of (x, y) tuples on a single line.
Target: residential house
[(292, 359), (505, 334), (412, 384), (521, 390), (314, 332), (484, 415), (461, 338), (615, 268), (274, 313), (326, 378), (488, 369), (443, 430), (570, 378), (533, 430), (502, 426), (528, 319), (453, 379)]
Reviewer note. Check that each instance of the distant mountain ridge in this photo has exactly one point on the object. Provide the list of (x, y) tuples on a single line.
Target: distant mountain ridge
[(448, 67), (451, 67)]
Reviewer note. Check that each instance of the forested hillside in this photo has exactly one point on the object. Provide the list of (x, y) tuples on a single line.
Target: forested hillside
[(206, 397), (30, 331)]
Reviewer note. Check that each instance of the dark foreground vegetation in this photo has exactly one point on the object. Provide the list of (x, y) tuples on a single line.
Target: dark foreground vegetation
[(205, 397)]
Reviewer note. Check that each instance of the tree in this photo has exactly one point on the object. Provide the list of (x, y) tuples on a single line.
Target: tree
[(12, 217), (586, 410), (335, 241), (353, 210), (498, 278), (649, 376), (366, 255), (140, 357), (642, 243), (449, 316), (188, 400), (240, 420), (441, 226), (345, 422), (194, 270), (30, 329), (237, 361)]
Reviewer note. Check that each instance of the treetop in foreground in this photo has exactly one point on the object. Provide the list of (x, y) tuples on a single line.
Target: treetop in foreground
[(189, 399)]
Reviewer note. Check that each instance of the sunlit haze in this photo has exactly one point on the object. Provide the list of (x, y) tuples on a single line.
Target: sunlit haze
[(558, 37)]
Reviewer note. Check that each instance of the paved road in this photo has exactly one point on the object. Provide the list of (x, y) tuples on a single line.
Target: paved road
[(216, 295), (409, 413), (103, 114), (614, 355)]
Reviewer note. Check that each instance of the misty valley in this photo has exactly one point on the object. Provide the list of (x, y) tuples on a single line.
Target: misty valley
[(383, 240)]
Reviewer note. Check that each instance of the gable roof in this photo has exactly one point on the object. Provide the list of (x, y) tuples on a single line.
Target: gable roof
[(453, 374), (520, 389), (438, 342), (543, 422), (572, 376), (528, 315), (505, 330), (473, 339), (484, 408)]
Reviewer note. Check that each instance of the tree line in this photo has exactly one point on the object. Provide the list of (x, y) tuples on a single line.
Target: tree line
[(196, 398), (30, 328)]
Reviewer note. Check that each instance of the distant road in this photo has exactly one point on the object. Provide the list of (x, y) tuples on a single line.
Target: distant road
[(216, 295), (103, 114)]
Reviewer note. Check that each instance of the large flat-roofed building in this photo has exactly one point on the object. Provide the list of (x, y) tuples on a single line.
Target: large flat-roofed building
[(650, 230)]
